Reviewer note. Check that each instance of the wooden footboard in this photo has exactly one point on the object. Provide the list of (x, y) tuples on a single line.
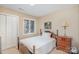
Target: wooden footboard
[(23, 49)]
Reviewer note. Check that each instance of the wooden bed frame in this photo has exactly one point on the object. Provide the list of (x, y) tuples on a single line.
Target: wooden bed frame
[(24, 50)]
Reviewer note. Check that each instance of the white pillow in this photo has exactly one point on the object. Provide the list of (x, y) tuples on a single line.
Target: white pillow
[(46, 34)]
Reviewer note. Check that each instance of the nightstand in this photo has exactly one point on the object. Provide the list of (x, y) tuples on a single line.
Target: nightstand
[(64, 43)]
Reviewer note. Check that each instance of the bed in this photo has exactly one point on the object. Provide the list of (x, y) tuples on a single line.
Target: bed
[(37, 45)]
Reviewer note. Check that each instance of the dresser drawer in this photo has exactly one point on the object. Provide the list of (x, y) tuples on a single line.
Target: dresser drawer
[(64, 43), (66, 49), (63, 46), (62, 40)]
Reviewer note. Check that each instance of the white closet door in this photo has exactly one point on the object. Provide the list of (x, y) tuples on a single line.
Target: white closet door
[(3, 31), (14, 30), (12, 27)]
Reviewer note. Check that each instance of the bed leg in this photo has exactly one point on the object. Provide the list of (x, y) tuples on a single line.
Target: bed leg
[(18, 43), (33, 49), (57, 32)]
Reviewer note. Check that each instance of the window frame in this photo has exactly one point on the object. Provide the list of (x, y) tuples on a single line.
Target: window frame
[(30, 19)]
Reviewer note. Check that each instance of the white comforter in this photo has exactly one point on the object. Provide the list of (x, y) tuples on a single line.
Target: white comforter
[(42, 44)]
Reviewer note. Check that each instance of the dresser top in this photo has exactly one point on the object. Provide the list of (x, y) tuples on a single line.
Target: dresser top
[(64, 37)]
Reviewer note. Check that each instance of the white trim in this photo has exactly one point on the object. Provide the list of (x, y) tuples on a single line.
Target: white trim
[(3, 13), (29, 27)]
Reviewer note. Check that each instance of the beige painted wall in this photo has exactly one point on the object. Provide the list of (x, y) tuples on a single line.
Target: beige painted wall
[(70, 15), (21, 17), (57, 19)]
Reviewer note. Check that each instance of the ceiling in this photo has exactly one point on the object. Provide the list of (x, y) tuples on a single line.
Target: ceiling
[(37, 9)]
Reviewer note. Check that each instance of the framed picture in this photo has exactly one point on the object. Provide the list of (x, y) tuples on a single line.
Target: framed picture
[(47, 25)]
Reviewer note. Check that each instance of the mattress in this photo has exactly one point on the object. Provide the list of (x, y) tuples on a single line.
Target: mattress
[(42, 44)]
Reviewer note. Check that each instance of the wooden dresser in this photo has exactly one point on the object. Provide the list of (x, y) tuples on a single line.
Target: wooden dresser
[(64, 43)]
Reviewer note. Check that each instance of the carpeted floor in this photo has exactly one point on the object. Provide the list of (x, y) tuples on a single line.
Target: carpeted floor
[(15, 51)]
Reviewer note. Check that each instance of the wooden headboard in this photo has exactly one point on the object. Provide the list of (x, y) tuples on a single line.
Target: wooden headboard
[(53, 35)]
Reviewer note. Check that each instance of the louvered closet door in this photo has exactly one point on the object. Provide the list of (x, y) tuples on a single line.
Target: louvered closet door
[(12, 31)]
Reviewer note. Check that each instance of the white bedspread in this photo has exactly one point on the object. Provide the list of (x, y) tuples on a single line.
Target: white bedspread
[(42, 44)]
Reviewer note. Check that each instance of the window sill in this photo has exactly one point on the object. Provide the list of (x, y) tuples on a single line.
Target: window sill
[(29, 33)]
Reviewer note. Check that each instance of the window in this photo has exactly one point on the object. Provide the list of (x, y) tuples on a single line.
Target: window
[(26, 26), (32, 26), (29, 26)]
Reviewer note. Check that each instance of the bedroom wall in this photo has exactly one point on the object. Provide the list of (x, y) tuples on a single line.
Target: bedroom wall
[(21, 16), (71, 15)]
